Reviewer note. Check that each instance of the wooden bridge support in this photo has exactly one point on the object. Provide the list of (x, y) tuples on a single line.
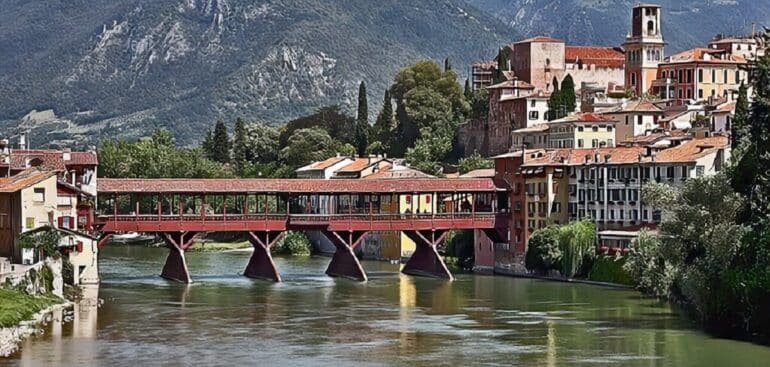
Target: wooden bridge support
[(261, 265), (176, 266), (344, 262), (425, 260)]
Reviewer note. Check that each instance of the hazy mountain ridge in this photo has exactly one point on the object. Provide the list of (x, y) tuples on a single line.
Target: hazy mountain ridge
[(122, 67), (686, 23)]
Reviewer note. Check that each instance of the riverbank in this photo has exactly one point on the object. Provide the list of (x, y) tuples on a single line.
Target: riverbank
[(219, 246), (21, 314), (511, 273)]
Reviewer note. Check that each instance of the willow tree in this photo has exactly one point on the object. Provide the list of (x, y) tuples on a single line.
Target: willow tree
[(576, 241)]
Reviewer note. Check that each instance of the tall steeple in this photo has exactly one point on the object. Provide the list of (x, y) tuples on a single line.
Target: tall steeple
[(644, 48)]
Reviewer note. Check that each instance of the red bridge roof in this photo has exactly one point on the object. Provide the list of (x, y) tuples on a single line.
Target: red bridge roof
[(111, 185)]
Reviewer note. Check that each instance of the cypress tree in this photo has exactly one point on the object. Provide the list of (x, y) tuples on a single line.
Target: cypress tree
[(384, 124), (568, 95), (239, 146), (362, 121), (740, 127), (467, 91), (221, 143), (502, 66), (447, 65)]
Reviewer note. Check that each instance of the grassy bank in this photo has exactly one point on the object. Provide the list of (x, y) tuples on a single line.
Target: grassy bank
[(218, 246), (16, 307)]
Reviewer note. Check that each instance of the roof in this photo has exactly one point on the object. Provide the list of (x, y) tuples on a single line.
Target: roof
[(394, 172), (638, 105), (698, 55), (743, 39), (26, 178), (536, 128), (108, 185), (50, 159), (572, 157), (655, 136), (647, 5), (520, 84), (584, 117), (591, 55), (728, 107), (322, 165), (693, 149), (359, 164), (478, 173), (539, 39)]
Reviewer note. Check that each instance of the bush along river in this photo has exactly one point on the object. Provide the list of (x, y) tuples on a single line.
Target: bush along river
[(312, 320)]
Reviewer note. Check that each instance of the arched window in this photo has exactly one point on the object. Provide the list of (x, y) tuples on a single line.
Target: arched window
[(547, 62), (650, 28)]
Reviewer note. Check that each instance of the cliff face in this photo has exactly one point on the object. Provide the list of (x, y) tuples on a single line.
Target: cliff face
[(686, 23), (122, 67)]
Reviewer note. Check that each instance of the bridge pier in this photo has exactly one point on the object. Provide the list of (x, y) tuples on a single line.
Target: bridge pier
[(176, 266), (344, 262), (425, 260), (261, 265)]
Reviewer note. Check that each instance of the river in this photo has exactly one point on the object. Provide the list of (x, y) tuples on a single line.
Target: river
[(312, 320)]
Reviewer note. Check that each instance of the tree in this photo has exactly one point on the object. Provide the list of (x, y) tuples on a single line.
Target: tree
[(383, 127), (293, 243), (467, 91), (425, 97), (221, 143), (473, 162), (306, 146), (568, 98), (543, 252), (447, 65), (554, 102), (576, 243), (479, 104), (262, 143), (502, 66), (362, 122), (331, 119), (240, 147), (653, 274), (739, 131)]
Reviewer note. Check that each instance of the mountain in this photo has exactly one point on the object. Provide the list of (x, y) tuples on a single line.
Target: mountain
[(118, 68), (685, 23)]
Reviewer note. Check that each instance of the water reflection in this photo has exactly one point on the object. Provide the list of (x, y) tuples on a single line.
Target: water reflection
[(311, 319)]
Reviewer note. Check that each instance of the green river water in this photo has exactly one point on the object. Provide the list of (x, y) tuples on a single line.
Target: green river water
[(312, 320)]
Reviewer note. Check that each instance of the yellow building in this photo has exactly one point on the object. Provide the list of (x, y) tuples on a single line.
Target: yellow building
[(582, 130), (700, 74), (547, 192)]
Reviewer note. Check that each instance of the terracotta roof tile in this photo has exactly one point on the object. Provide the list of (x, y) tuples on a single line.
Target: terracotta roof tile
[(479, 173), (108, 185), (600, 56), (693, 149), (585, 117), (322, 165), (698, 55), (572, 157), (24, 179)]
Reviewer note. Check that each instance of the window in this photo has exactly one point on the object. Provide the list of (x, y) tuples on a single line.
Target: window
[(713, 75), (627, 119), (610, 143), (533, 115), (609, 128), (580, 143), (689, 75), (595, 128), (737, 77), (595, 143), (533, 103), (580, 129), (639, 119), (30, 222), (700, 93), (685, 171), (724, 75), (633, 78), (700, 75), (38, 195)]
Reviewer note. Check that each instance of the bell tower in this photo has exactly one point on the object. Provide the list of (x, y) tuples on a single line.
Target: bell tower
[(644, 48)]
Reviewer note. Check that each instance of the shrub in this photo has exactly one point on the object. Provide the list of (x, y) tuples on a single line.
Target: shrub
[(543, 253), (293, 243), (650, 272), (610, 269)]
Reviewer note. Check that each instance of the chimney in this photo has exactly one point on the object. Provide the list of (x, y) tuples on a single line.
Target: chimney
[(67, 154), (23, 141)]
